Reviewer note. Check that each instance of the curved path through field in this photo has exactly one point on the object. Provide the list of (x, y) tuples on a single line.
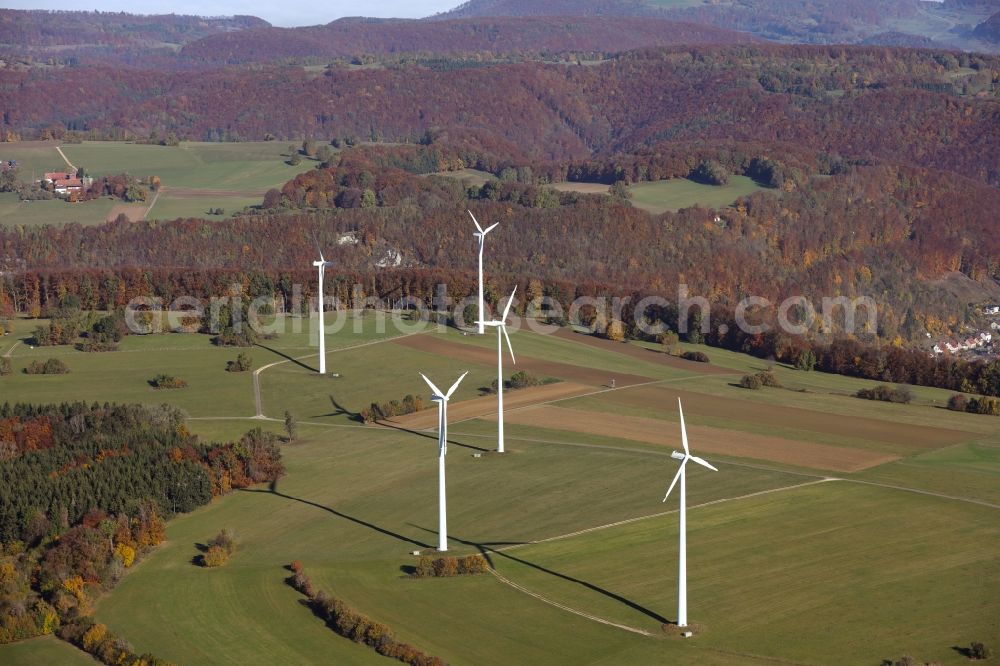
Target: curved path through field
[(65, 159), (256, 373), (635, 630)]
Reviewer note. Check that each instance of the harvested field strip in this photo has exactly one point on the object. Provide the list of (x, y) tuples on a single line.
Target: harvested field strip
[(903, 436), (487, 405), (541, 368), (707, 439)]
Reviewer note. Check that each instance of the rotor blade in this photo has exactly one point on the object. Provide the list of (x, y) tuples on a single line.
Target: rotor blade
[(491, 228), (455, 385), (510, 301), (476, 221), (684, 432), (503, 329), (316, 243), (680, 470), (703, 463), (435, 389)]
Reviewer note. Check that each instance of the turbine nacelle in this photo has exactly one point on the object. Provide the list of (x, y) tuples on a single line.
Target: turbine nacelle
[(480, 232), (437, 394), (501, 324), (684, 457)]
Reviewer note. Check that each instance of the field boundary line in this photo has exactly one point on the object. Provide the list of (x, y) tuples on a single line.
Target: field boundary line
[(574, 611), (590, 394), (660, 514), (929, 493), (766, 468), (649, 452)]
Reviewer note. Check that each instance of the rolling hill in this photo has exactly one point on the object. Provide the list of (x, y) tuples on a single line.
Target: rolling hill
[(492, 36), (810, 22)]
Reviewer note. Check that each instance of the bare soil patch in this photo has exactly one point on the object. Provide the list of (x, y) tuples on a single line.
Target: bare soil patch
[(538, 367), (704, 439), (133, 212), (487, 405), (903, 437)]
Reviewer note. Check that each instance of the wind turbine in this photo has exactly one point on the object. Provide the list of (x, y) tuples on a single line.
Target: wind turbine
[(481, 236), (501, 326), (321, 269), (682, 611), (441, 398)]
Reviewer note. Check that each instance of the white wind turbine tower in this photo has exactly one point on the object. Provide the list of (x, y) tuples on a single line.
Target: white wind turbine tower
[(501, 326), (481, 236), (682, 558), (321, 268), (441, 398)]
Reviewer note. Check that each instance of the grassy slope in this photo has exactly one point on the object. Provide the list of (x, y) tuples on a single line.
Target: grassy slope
[(123, 375), (468, 176), (32, 213), (678, 193), (837, 573), (33, 157), (44, 650), (171, 206), (222, 166), (238, 172), (385, 480), (382, 487)]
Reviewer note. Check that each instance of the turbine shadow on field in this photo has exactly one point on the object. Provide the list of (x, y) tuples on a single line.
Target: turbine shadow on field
[(357, 521), (430, 435), (486, 549), (288, 358), (340, 410)]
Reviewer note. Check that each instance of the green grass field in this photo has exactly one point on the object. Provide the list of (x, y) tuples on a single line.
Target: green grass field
[(195, 176), (44, 650), (213, 166), (13, 211), (170, 206), (468, 176), (672, 195), (899, 558)]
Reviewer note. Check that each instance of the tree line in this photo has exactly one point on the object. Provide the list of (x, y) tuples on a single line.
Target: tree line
[(83, 492)]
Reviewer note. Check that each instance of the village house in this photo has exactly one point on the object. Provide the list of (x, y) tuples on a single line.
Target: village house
[(65, 182)]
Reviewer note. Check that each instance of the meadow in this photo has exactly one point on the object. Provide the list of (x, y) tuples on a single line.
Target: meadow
[(784, 563), (674, 194), (677, 193), (468, 176), (195, 177)]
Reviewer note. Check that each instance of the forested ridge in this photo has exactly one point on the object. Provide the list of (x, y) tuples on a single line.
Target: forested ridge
[(803, 21), (879, 230), (480, 38), (26, 29), (930, 109)]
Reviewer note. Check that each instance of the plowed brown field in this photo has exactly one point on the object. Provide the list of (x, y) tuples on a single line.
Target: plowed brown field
[(904, 438), (704, 439), (539, 367)]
